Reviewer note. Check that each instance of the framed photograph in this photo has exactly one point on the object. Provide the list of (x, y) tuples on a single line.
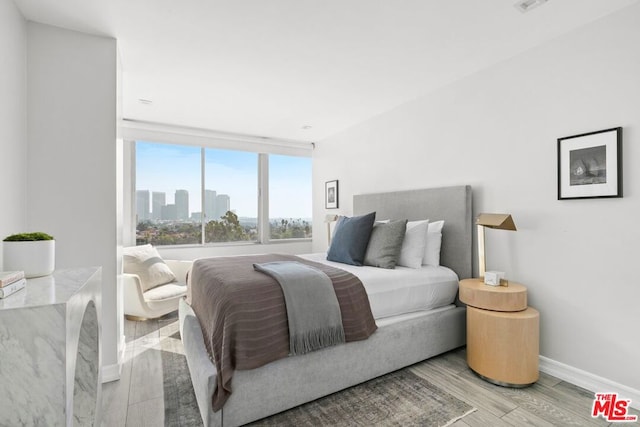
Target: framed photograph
[(590, 165), (331, 194)]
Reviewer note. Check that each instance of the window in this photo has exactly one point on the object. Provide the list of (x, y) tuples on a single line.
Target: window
[(230, 196), (195, 195), (167, 194), (289, 197)]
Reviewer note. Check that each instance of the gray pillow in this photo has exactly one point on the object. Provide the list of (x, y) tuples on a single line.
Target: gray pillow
[(385, 244), (350, 239)]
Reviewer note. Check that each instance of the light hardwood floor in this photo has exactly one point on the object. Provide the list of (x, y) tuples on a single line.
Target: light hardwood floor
[(137, 398)]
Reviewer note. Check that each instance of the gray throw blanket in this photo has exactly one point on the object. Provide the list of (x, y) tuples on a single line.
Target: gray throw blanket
[(313, 311)]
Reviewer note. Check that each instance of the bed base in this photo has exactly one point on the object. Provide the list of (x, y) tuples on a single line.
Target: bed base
[(292, 381)]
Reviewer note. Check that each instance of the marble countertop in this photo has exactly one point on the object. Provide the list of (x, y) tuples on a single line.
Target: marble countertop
[(56, 288)]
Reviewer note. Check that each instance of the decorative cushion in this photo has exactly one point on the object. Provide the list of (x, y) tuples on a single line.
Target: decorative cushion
[(385, 244), (145, 261), (414, 243), (434, 242), (350, 239)]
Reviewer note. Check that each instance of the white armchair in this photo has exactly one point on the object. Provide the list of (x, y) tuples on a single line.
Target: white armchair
[(157, 301)]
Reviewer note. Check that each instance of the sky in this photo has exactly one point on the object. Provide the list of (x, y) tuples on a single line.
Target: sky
[(167, 168)]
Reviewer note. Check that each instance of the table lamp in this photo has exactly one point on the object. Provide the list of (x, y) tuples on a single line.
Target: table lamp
[(496, 221)]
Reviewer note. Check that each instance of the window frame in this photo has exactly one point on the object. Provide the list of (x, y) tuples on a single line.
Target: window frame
[(190, 137)]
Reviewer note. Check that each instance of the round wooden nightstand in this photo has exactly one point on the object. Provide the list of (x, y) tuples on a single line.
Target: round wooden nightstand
[(502, 333)]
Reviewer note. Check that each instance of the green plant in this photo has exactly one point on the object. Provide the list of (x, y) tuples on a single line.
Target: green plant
[(28, 237)]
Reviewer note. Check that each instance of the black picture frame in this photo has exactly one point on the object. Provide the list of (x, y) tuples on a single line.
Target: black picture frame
[(331, 197), (590, 165)]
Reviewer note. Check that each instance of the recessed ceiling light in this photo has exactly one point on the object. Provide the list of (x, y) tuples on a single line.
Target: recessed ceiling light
[(526, 5), (145, 101), (307, 127)]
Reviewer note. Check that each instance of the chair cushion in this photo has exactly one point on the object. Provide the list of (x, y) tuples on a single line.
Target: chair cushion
[(145, 261), (168, 291)]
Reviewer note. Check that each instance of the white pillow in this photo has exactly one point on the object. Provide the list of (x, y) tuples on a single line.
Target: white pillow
[(434, 242), (413, 246), (145, 261)]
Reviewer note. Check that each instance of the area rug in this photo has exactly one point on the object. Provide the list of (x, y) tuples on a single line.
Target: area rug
[(400, 398), (180, 405)]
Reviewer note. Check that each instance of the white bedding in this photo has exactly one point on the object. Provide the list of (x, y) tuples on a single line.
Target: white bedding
[(401, 290)]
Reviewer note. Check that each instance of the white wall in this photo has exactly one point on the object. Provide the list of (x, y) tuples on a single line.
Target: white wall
[(71, 184), (13, 121), (497, 130), (120, 203)]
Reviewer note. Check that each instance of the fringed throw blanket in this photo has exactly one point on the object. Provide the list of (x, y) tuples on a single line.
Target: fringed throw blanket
[(313, 311), (243, 315)]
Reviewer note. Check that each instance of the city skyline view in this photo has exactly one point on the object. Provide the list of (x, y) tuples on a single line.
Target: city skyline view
[(166, 168), (152, 205), (160, 224)]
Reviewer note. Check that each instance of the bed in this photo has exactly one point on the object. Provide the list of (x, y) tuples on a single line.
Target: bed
[(399, 341)]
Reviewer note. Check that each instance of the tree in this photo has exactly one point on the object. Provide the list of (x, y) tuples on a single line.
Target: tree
[(290, 229), (227, 229)]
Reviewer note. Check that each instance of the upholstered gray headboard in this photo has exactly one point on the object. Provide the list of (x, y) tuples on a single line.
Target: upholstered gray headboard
[(452, 204)]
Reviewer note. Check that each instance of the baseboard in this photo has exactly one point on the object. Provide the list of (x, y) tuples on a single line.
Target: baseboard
[(113, 372), (588, 380)]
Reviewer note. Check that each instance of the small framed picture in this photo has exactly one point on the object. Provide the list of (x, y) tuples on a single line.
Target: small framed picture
[(331, 194), (590, 165)]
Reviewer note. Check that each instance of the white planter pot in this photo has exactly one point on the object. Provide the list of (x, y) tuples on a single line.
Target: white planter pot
[(36, 258)]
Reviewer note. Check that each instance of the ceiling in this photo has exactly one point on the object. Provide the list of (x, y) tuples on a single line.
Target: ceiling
[(303, 69)]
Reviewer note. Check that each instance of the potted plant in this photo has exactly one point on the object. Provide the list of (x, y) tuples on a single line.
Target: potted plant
[(33, 253)]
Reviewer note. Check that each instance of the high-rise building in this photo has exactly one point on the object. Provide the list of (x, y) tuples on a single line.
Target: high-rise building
[(182, 205), (158, 200), (210, 205), (223, 204), (169, 212), (142, 204)]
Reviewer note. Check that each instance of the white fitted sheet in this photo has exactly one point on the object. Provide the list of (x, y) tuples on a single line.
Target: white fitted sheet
[(401, 290)]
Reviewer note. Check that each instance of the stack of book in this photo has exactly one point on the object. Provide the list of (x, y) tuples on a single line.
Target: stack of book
[(11, 282)]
